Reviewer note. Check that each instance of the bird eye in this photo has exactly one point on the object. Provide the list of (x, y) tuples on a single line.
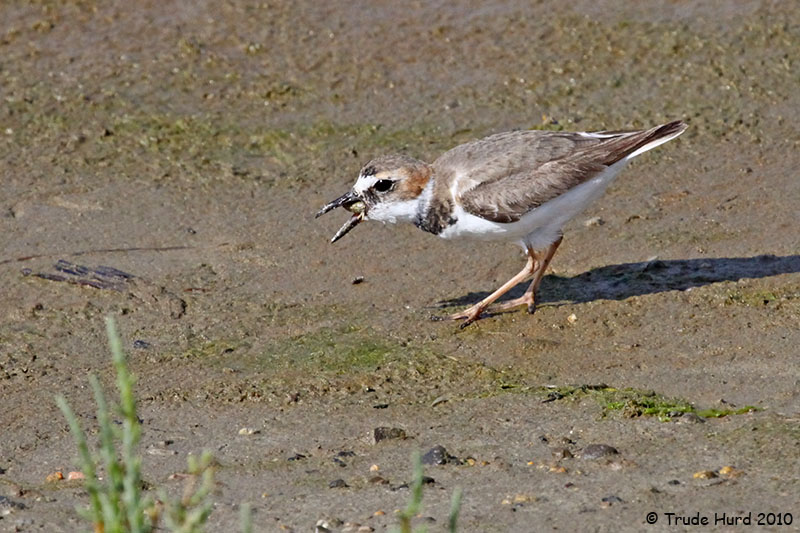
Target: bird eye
[(383, 185)]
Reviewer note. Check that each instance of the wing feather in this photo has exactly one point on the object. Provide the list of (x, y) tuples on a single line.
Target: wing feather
[(502, 177)]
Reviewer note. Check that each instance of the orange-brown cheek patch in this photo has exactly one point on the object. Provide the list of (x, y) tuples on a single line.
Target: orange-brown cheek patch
[(413, 185)]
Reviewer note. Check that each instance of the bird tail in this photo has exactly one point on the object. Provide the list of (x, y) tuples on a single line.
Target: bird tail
[(629, 145)]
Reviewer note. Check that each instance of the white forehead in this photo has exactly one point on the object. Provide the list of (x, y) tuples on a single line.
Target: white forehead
[(363, 183)]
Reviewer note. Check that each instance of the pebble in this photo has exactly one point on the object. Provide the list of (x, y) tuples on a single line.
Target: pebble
[(594, 221), (140, 344), (378, 480), (157, 450), (374, 468), (438, 456), (296, 457), (72, 476), (613, 499), (572, 318), (249, 431), (55, 476), (731, 472), (704, 474), (596, 451), (386, 433), (7, 504), (562, 453), (337, 484), (691, 418)]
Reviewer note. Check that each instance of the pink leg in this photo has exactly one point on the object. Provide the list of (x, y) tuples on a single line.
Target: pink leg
[(529, 298), (474, 312)]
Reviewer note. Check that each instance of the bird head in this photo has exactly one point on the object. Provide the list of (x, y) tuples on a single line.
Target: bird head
[(388, 189)]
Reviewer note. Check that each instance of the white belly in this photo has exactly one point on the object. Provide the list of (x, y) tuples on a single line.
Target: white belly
[(542, 225)]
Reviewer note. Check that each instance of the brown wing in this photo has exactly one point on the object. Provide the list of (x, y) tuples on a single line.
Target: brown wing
[(505, 176)]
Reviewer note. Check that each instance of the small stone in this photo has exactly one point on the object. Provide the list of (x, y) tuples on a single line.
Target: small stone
[(594, 221), (7, 504), (523, 498), (438, 456), (613, 499), (378, 513), (357, 280), (470, 461), (691, 418), (296, 457), (337, 484), (562, 453), (158, 450), (731, 472), (346, 453), (365, 529), (249, 431), (55, 476), (572, 318), (385, 433), (673, 482), (428, 480), (558, 469), (374, 468), (596, 451), (378, 480), (72, 476), (704, 474), (139, 344)]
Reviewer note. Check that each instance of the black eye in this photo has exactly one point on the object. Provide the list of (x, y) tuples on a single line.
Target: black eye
[(383, 185)]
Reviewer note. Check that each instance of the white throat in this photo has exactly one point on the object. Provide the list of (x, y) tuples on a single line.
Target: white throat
[(393, 212)]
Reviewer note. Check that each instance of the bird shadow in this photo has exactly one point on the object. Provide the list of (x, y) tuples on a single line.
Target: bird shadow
[(618, 282)]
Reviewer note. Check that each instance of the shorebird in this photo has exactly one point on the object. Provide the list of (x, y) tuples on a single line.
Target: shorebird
[(520, 186)]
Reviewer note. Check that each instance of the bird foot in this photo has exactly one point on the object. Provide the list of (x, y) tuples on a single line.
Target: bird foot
[(468, 315), (527, 299)]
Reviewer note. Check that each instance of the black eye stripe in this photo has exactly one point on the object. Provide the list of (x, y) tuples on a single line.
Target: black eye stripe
[(383, 185)]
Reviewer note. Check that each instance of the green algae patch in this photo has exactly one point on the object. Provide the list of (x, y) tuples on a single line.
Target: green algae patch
[(335, 362), (633, 403), (334, 350)]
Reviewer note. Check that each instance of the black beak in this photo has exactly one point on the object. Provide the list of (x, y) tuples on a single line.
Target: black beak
[(345, 200)]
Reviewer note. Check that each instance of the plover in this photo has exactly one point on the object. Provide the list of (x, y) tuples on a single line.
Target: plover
[(520, 186)]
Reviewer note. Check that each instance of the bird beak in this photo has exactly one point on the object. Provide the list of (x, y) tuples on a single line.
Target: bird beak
[(350, 201), (345, 200)]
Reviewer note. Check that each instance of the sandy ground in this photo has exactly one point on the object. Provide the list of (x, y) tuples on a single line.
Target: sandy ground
[(188, 144)]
